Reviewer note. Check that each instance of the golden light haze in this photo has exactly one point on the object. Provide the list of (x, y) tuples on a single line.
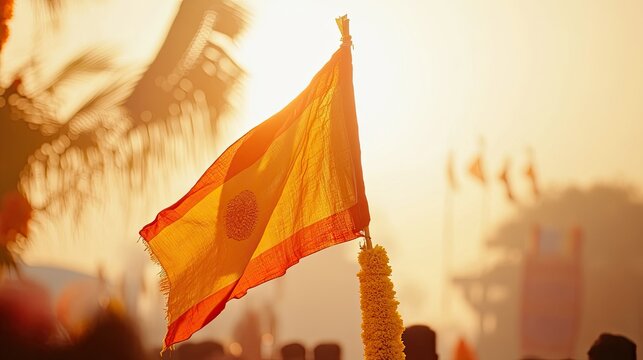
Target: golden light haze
[(562, 78)]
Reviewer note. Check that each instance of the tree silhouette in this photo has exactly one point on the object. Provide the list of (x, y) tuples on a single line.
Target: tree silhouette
[(129, 121)]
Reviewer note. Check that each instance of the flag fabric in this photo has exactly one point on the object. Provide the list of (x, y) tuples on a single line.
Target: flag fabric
[(476, 169), (463, 351), (504, 178), (288, 188), (530, 172)]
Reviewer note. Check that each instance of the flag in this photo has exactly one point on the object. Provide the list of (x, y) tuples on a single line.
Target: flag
[(453, 184), (530, 172), (463, 351), (288, 188), (476, 169), (504, 178)]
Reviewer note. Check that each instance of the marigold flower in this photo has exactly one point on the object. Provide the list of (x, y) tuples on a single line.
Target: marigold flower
[(381, 323)]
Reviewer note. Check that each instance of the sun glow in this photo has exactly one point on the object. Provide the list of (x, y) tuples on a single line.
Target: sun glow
[(563, 79)]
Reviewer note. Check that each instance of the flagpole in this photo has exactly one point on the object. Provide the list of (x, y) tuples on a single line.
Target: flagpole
[(382, 325), (367, 237), (343, 23), (447, 240)]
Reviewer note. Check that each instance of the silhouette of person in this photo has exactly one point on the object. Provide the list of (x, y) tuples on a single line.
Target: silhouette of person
[(294, 351), (419, 343), (112, 336), (327, 352), (612, 347)]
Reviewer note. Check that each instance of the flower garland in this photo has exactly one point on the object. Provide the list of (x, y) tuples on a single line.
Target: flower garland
[(381, 323)]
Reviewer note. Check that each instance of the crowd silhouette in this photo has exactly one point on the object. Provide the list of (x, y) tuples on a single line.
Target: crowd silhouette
[(419, 343), (29, 331)]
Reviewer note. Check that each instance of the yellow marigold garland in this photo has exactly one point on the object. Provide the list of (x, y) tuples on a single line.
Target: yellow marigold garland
[(6, 13), (381, 323)]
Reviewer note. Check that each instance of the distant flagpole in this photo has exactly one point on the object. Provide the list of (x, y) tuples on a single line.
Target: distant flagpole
[(447, 232), (477, 170), (504, 178), (530, 173)]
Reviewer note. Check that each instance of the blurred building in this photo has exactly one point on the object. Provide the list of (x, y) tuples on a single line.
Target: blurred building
[(525, 302)]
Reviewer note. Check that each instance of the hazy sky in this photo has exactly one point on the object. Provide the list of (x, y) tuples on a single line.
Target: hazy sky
[(564, 78)]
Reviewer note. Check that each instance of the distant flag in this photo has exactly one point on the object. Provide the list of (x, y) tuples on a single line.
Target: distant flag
[(504, 178), (288, 188), (530, 172), (463, 351), (476, 168), (453, 184)]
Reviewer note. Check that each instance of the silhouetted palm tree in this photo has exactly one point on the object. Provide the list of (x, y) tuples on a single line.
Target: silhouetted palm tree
[(129, 123)]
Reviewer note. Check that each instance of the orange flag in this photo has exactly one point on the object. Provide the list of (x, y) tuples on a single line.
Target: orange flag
[(530, 172), (463, 351), (476, 169), (288, 188), (504, 177)]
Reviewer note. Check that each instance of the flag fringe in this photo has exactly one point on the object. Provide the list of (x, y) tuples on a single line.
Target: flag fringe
[(164, 282)]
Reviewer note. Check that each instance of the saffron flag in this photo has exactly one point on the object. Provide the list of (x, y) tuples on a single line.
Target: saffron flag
[(463, 351), (288, 188), (476, 169), (504, 178), (530, 172)]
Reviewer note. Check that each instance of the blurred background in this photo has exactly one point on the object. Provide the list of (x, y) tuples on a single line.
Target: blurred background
[(500, 145)]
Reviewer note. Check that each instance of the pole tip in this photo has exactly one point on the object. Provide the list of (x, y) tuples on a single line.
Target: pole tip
[(344, 29)]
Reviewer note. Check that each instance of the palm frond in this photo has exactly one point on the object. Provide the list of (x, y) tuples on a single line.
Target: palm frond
[(231, 18), (90, 126), (88, 62), (182, 57), (48, 13), (134, 129)]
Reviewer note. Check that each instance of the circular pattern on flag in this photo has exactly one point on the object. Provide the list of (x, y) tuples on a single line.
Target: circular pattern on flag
[(241, 215)]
